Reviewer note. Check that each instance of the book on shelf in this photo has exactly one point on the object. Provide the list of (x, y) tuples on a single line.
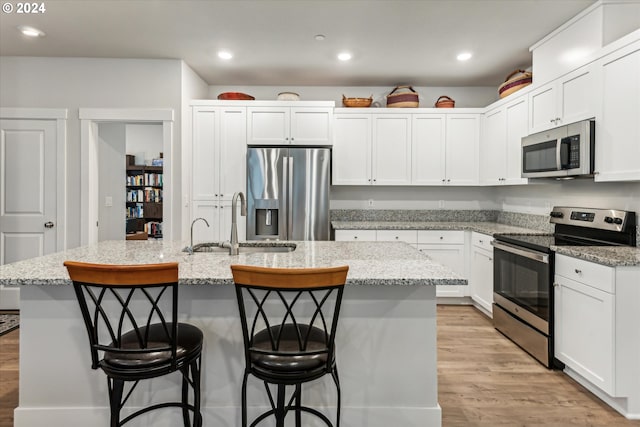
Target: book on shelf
[(154, 229)]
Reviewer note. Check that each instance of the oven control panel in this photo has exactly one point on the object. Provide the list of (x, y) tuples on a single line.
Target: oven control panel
[(604, 219), (583, 216)]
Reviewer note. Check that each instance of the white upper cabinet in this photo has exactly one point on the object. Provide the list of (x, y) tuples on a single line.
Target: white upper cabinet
[(517, 118), (462, 145), (372, 149), (566, 100), (493, 153), (618, 126), (351, 156), (391, 149), (503, 129), (445, 149), (428, 147), (218, 166), (285, 125)]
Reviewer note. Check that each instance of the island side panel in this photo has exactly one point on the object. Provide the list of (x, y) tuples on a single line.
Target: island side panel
[(386, 359)]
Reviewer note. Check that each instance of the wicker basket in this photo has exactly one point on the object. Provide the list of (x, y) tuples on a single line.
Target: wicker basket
[(513, 84), (407, 98), (235, 96), (357, 102), (445, 102)]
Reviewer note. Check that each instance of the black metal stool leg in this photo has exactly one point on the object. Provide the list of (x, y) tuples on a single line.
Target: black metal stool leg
[(116, 388), (185, 396), (280, 409), (197, 415), (298, 403), (336, 379), (244, 399)]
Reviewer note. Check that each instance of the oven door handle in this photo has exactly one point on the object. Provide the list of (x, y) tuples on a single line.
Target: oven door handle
[(534, 255)]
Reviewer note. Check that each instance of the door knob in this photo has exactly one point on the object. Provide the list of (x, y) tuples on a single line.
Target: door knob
[(48, 224)]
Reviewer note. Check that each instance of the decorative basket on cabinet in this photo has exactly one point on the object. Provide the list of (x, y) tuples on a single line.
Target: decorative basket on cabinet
[(445, 102), (405, 98), (515, 82)]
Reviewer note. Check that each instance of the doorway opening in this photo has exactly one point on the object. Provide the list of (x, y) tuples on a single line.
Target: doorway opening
[(114, 141)]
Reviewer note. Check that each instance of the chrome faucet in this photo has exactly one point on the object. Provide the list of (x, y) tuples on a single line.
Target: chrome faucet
[(233, 242), (189, 248)]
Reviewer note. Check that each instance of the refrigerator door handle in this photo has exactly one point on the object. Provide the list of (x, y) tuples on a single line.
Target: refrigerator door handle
[(285, 198), (289, 203)]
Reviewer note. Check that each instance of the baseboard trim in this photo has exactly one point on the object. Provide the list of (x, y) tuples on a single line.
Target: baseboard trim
[(230, 417)]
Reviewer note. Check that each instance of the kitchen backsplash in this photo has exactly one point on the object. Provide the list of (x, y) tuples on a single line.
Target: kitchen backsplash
[(413, 215), (535, 222)]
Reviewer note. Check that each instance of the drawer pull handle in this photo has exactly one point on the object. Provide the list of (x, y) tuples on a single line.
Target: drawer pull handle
[(578, 271), (441, 237)]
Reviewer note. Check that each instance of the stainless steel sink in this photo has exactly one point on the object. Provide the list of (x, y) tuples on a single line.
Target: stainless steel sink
[(245, 248)]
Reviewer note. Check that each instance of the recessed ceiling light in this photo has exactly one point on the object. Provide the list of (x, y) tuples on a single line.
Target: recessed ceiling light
[(464, 56), (344, 56), (319, 37), (30, 31), (223, 54)]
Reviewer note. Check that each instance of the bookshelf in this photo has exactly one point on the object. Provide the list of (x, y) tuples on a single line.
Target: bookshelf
[(144, 200)]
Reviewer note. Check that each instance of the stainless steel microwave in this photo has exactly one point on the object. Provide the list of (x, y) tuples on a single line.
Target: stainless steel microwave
[(565, 151)]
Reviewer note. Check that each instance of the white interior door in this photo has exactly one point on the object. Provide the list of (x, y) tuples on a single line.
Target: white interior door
[(27, 189)]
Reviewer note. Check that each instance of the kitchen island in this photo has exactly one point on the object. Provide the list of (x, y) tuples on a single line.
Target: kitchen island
[(386, 343)]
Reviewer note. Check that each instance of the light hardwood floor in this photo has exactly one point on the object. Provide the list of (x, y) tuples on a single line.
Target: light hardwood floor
[(483, 380)]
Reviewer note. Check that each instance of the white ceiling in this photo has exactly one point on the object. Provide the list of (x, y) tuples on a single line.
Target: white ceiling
[(392, 41)]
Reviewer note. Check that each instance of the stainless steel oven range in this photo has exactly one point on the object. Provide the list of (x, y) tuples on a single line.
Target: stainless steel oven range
[(523, 271)]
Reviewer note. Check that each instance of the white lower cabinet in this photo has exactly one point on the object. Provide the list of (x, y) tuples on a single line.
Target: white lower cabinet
[(448, 248), (596, 329), (584, 319), (355, 235), (481, 271)]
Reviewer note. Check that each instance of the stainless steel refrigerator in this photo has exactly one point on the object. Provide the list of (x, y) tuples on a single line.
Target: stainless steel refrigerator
[(288, 193)]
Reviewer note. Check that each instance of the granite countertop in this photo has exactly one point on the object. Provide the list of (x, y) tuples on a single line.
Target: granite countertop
[(490, 228), (613, 256), (370, 263)]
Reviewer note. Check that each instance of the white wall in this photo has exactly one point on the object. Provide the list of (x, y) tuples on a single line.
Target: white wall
[(379, 197), (75, 83), (540, 196), (193, 87), (466, 97), (144, 141), (111, 150), (536, 198)]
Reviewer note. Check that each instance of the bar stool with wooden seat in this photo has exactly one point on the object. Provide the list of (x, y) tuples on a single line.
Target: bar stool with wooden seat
[(289, 319), (130, 313)]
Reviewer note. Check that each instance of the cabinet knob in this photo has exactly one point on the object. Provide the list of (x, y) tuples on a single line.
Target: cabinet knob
[(480, 241), (374, 180), (441, 237), (578, 271), (355, 237), (443, 180), (448, 180), (397, 237)]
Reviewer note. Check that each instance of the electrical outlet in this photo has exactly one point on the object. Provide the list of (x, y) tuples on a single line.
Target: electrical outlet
[(108, 201), (370, 202), (441, 204)]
